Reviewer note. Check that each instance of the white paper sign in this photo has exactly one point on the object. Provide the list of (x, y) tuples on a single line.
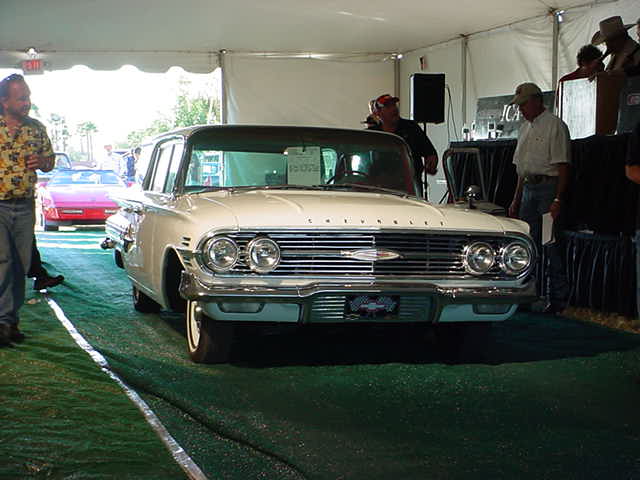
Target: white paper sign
[(547, 229), (303, 165)]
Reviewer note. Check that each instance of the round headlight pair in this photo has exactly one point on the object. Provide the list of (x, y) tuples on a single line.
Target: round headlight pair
[(221, 254), (479, 257), (263, 255), (515, 258)]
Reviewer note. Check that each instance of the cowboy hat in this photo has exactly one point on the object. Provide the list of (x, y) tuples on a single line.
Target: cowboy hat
[(611, 27)]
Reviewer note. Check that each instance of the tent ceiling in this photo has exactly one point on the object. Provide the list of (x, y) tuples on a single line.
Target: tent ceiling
[(132, 31)]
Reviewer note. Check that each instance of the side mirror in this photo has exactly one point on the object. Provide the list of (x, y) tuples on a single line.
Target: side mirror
[(472, 193)]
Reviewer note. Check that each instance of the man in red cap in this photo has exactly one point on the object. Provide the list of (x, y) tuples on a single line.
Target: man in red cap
[(425, 157)]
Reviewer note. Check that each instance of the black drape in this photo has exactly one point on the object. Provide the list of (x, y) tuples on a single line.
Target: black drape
[(601, 271)]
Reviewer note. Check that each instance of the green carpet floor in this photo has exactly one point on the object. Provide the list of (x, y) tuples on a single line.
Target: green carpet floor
[(61, 417), (557, 398)]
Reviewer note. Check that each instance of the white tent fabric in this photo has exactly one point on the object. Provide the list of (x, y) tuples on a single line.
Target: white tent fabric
[(100, 60), (73, 32), (303, 91)]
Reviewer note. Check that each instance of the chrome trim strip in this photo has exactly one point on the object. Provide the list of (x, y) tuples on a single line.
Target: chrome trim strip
[(192, 289)]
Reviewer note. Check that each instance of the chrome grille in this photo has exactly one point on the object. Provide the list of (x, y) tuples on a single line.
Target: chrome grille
[(331, 308), (319, 253)]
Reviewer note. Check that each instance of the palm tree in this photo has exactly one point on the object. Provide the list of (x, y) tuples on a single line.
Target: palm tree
[(86, 131)]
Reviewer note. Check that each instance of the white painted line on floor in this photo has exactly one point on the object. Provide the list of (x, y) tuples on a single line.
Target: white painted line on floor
[(184, 460)]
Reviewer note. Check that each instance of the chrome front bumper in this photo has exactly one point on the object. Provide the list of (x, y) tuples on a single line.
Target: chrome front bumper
[(192, 289)]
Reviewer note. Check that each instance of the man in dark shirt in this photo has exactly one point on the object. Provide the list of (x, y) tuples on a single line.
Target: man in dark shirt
[(624, 51), (633, 173), (589, 60), (425, 157)]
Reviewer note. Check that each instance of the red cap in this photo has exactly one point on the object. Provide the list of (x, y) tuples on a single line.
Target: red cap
[(384, 100)]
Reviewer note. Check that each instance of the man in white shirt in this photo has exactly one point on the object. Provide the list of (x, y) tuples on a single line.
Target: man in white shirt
[(542, 159), (109, 160)]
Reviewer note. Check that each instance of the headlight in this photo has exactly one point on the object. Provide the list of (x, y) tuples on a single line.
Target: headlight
[(515, 258), (478, 258), (221, 254), (263, 254)]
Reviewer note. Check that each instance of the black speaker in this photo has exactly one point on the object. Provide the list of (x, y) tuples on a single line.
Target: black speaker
[(427, 97)]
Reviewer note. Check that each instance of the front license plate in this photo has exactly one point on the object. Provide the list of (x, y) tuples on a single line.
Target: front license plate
[(373, 307)]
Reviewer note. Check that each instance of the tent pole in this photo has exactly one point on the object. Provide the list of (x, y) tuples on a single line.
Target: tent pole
[(556, 36), (396, 75), (463, 74), (223, 88)]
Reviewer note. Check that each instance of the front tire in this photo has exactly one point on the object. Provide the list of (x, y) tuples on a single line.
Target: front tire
[(117, 258), (208, 340), (143, 303)]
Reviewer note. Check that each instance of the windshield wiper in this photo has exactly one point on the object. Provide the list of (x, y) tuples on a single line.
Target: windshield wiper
[(334, 186), (275, 187), (366, 187)]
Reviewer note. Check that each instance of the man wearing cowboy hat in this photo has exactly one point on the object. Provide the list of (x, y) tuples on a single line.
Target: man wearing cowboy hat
[(425, 157), (624, 51)]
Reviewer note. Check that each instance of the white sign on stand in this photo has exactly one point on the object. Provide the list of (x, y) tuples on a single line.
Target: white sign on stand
[(303, 165)]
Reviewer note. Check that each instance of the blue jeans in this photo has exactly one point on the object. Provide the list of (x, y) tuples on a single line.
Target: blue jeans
[(536, 201), (17, 218)]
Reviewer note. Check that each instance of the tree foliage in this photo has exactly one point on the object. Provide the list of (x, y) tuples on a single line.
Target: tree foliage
[(188, 110), (86, 130)]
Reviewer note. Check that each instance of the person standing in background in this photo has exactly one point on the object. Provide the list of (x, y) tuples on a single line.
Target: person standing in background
[(425, 157), (624, 50), (542, 160), (589, 60)]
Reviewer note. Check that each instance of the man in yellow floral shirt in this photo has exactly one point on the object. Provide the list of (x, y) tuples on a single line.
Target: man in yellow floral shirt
[(24, 147)]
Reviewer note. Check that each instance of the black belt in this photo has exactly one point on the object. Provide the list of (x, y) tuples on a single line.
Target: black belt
[(536, 179)]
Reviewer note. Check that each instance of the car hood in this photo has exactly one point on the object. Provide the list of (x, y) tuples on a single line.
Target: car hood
[(89, 194), (313, 209)]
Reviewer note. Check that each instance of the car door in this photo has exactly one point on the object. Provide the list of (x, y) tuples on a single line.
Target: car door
[(150, 220)]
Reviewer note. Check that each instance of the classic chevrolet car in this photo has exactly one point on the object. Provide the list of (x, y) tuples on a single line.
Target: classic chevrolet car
[(246, 225)]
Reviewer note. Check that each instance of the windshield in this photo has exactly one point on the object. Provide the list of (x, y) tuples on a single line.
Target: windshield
[(85, 177), (302, 157)]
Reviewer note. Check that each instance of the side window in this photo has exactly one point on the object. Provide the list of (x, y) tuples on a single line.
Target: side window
[(144, 162), (162, 167), (173, 168)]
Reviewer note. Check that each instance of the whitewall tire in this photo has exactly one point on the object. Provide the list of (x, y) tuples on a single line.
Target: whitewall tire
[(208, 340)]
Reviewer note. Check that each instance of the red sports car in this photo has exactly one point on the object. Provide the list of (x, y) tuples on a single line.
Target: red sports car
[(78, 197)]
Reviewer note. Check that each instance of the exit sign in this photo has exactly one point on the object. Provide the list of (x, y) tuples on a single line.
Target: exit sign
[(33, 66)]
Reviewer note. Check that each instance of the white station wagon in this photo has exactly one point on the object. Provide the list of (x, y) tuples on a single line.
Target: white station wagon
[(238, 225)]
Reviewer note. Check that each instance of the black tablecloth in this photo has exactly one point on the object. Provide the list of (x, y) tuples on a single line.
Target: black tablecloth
[(600, 197)]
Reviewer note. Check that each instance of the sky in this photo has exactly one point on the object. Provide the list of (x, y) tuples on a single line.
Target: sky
[(117, 102)]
